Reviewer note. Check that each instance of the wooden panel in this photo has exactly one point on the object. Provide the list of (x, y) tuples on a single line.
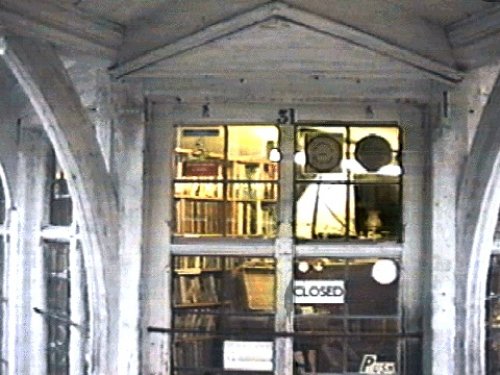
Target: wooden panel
[(277, 45)]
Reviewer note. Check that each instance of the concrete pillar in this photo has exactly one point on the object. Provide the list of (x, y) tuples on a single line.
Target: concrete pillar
[(26, 279)]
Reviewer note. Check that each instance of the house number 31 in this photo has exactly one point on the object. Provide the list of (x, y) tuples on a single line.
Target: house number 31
[(286, 116)]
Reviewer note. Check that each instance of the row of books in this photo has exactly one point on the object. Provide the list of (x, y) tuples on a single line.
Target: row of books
[(245, 218), (199, 217), (198, 262), (235, 190)]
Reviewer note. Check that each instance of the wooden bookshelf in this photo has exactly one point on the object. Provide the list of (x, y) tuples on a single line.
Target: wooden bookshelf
[(239, 201)]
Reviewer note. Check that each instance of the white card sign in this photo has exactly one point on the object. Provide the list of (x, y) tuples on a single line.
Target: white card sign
[(248, 355), (319, 291)]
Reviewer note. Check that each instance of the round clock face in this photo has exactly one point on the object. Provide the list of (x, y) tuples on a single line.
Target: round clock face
[(324, 153), (373, 152)]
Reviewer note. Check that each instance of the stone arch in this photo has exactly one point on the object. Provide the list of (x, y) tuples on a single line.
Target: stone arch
[(478, 206), (47, 85)]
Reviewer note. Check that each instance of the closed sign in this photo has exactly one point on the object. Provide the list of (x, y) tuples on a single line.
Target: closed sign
[(319, 291)]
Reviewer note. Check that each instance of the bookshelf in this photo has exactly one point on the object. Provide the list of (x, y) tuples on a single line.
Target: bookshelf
[(237, 201)]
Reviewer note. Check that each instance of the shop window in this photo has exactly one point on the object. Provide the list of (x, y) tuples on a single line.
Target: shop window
[(347, 318), (348, 183), (493, 317), (226, 181), (223, 306)]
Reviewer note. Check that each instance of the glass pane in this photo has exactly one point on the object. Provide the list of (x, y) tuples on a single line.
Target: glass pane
[(229, 297), (367, 296), (321, 211), (344, 308), (321, 153), (249, 149), (57, 347), (251, 219), (58, 296), (378, 213), (367, 355), (61, 205), (318, 355), (355, 182), (200, 153), (197, 351), (57, 258), (227, 154), (61, 211), (199, 217)]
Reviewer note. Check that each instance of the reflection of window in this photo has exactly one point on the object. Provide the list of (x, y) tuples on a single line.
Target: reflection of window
[(216, 300), (225, 181), (493, 317), (347, 310), (348, 182)]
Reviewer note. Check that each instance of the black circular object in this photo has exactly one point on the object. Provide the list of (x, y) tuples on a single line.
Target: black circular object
[(323, 153), (373, 152)]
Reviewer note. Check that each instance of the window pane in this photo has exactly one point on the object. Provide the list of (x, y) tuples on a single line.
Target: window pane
[(354, 183), (232, 189), (321, 211), (218, 298), (57, 278), (377, 211), (346, 312)]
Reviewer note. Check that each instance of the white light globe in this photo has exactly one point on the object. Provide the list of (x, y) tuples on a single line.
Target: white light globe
[(385, 271)]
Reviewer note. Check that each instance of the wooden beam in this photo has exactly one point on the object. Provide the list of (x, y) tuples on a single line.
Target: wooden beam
[(476, 40), (61, 26), (283, 11), (50, 90), (478, 205)]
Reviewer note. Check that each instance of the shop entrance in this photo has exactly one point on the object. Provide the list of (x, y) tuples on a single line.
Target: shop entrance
[(285, 244)]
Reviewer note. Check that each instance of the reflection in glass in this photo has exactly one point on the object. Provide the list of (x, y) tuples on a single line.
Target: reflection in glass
[(348, 181), (218, 298), (335, 337)]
